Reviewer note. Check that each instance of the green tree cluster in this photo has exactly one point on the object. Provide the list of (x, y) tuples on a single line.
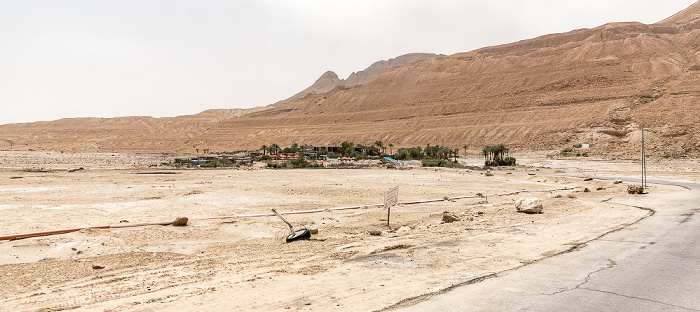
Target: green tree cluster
[(497, 155)]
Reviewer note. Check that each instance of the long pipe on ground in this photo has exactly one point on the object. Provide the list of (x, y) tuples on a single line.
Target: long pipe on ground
[(127, 225)]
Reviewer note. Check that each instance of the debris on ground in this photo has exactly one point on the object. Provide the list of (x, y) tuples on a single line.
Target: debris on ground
[(96, 266), (375, 233)]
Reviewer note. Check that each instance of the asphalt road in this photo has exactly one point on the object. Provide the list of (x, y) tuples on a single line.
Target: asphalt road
[(653, 265)]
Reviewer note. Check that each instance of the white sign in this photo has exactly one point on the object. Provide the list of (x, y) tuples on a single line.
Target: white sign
[(391, 197)]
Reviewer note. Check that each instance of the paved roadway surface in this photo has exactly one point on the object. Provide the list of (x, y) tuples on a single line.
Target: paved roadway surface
[(653, 265)]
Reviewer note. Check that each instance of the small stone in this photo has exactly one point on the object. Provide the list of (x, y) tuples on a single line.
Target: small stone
[(588, 179), (404, 229), (375, 233), (313, 231), (123, 221), (447, 217), (98, 266), (180, 221), (586, 190), (600, 189), (617, 182)]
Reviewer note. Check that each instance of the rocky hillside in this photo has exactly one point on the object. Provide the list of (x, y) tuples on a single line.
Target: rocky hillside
[(596, 86), (329, 80)]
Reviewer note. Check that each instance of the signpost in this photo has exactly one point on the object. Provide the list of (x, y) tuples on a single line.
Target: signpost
[(391, 198)]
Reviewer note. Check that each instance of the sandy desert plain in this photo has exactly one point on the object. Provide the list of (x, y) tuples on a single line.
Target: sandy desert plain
[(241, 264)]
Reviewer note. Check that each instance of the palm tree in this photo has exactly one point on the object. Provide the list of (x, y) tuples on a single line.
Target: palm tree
[(380, 145), (275, 147), (465, 150), (263, 148), (390, 149)]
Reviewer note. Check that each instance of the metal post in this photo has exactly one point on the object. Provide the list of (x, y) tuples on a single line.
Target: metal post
[(644, 162)]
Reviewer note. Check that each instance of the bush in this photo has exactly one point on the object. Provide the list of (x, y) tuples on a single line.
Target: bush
[(440, 163), (567, 151), (265, 157), (298, 163), (509, 161), (221, 162)]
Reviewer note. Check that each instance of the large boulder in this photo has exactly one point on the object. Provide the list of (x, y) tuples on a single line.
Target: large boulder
[(529, 205), (635, 189)]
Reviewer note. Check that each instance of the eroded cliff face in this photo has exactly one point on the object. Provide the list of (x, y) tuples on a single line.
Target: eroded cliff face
[(595, 86)]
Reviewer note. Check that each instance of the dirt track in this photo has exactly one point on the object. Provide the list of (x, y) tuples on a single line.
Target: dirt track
[(244, 264)]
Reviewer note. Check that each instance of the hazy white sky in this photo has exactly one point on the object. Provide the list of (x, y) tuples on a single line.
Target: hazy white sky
[(96, 58)]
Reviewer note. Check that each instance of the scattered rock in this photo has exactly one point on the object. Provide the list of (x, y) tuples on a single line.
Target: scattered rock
[(375, 233), (600, 189), (586, 190), (447, 217), (588, 179), (617, 182), (123, 221), (529, 205), (530, 173), (404, 229), (488, 173), (180, 221), (313, 231), (635, 189), (74, 170), (96, 266)]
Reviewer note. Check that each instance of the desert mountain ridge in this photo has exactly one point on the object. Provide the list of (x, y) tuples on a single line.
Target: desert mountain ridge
[(329, 80), (593, 86)]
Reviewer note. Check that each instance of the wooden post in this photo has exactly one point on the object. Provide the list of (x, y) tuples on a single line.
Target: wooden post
[(388, 215)]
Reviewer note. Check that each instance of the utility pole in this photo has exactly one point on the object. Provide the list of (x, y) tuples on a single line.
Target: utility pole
[(644, 162)]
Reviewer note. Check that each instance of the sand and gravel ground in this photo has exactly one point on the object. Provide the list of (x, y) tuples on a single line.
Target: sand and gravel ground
[(244, 264)]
